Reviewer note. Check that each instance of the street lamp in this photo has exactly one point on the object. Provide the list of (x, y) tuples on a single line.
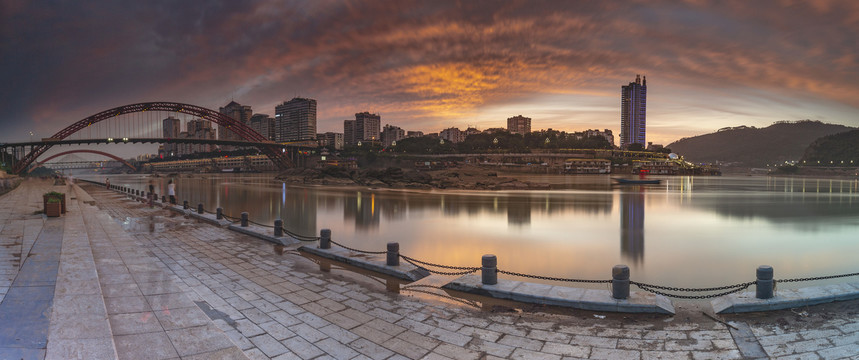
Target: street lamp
[(31, 136)]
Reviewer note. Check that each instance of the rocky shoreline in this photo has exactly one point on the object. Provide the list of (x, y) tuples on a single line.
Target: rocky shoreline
[(461, 178)]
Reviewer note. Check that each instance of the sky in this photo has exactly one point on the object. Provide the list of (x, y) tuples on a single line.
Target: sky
[(430, 65)]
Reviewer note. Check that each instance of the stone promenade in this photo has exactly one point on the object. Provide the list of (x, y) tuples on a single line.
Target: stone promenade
[(121, 280)]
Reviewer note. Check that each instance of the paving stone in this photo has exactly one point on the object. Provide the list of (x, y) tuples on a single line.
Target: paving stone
[(302, 347), (154, 345), (268, 345)]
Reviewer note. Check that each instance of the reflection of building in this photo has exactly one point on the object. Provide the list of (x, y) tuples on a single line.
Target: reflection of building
[(299, 211), (362, 208), (519, 211), (633, 98), (632, 225)]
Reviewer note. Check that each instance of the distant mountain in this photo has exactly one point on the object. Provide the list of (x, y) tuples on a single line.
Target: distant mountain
[(834, 149), (755, 147)]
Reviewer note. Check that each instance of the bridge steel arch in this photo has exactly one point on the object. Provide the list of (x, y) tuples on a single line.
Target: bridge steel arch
[(244, 131), (117, 158)]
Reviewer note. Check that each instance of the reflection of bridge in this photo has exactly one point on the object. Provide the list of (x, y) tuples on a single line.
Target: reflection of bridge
[(137, 123), (82, 164)]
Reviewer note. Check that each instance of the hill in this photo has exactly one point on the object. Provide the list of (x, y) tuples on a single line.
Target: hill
[(834, 149), (755, 147)]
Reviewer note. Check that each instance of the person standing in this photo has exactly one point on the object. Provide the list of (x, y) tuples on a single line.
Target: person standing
[(171, 191), (107, 182)]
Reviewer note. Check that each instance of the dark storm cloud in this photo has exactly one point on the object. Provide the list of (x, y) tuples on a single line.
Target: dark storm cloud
[(419, 62)]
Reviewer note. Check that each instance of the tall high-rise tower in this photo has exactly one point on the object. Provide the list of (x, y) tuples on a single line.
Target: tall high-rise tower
[(170, 127), (633, 104), (295, 120)]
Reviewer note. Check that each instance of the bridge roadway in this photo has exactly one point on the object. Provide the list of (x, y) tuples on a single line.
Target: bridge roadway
[(107, 140), (128, 281)]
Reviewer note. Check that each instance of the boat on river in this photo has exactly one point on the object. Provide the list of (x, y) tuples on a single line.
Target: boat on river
[(620, 181)]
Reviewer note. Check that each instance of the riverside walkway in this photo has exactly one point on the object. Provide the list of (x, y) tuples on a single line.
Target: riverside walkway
[(119, 279)]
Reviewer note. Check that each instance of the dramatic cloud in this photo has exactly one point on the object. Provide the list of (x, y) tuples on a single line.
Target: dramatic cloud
[(428, 65)]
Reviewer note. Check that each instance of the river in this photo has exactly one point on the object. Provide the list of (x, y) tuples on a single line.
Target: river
[(688, 231)]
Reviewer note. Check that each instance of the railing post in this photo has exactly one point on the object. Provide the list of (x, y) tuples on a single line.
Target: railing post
[(278, 228), (620, 282), (199, 208), (765, 282), (163, 199), (245, 219), (151, 200), (393, 258), (325, 239), (490, 269), (219, 213), (185, 204)]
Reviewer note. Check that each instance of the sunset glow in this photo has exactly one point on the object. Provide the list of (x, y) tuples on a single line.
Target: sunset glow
[(431, 65)]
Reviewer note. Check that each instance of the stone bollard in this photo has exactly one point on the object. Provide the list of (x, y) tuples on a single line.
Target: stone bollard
[(151, 200), (490, 269), (278, 228), (245, 219), (200, 208), (185, 204), (765, 282), (620, 282), (219, 213), (393, 254), (325, 239)]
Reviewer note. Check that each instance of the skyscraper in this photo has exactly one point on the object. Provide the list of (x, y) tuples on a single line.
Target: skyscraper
[(171, 127), (264, 125), (295, 120), (349, 137), (239, 112), (633, 104)]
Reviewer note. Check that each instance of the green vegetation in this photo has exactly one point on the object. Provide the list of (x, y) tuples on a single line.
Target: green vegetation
[(755, 147), (834, 150)]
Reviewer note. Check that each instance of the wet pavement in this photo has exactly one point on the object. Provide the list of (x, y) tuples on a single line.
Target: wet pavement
[(171, 287)]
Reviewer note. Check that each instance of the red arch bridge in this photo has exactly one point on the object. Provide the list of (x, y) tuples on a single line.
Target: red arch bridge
[(142, 123)]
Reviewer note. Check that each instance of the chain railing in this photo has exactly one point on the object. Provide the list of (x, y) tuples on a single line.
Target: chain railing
[(357, 250), (465, 269), (667, 291), (827, 277), (553, 278), (299, 237), (731, 289)]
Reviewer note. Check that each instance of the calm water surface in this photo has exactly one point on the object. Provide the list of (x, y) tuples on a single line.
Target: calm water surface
[(688, 231)]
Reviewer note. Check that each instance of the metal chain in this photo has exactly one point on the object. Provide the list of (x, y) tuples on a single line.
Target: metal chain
[(356, 250), (449, 273), (299, 237), (645, 288), (469, 268), (643, 285), (553, 278), (817, 278), (263, 225)]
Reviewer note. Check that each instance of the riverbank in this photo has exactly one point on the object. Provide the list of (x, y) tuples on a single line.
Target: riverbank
[(460, 178), (276, 303)]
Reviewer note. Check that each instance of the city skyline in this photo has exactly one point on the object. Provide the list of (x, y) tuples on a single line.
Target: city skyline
[(432, 66)]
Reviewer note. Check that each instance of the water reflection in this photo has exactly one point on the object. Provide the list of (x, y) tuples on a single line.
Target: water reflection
[(707, 223), (632, 224)]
